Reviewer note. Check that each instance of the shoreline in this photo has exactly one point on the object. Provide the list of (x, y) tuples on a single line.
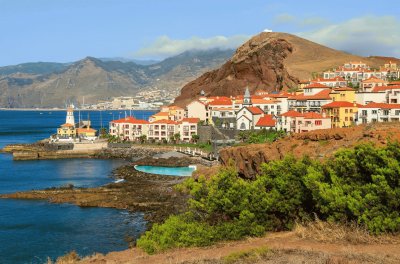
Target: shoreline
[(152, 194)]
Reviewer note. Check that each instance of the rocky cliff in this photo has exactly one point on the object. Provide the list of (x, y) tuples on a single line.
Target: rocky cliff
[(270, 62), (317, 144)]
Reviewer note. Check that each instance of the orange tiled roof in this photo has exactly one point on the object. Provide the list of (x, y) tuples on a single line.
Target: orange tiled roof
[(165, 121), (313, 115), (220, 102), (384, 88), (322, 95), (79, 130), (263, 101), (344, 89), (67, 125), (394, 83), (291, 113), (255, 110), (174, 107), (373, 79), (191, 120), (130, 120), (266, 121), (381, 105), (337, 104), (161, 114)]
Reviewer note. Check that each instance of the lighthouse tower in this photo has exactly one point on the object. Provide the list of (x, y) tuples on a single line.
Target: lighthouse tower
[(70, 116)]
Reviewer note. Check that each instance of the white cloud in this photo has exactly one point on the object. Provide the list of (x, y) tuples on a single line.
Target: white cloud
[(166, 47), (369, 35)]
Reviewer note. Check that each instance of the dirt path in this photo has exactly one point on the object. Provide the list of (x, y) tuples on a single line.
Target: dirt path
[(286, 247)]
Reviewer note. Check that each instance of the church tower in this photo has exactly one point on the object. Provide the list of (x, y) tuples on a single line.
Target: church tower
[(247, 98), (70, 116)]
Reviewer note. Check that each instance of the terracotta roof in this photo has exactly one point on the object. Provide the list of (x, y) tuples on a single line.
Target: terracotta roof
[(263, 101), (313, 115), (394, 83), (340, 104), (255, 110), (191, 120), (161, 114), (266, 121), (381, 105), (67, 125), (373, 79), (291, 113), (316, 85), (384, 88), (130, 120), (165, 121), (79, 130), (344, 89), (174, 107), (280, 95), (221, 102), (322, 95)]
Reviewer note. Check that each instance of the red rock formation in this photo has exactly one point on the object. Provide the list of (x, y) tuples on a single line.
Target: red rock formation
[(270, 62)]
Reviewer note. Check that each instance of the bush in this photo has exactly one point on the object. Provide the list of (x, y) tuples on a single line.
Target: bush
[(360, 184)]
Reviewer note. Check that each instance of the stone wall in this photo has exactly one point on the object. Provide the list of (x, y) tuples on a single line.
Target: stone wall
[(205, 133)]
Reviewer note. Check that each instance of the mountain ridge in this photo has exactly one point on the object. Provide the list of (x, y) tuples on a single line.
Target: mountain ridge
[(46, 84)]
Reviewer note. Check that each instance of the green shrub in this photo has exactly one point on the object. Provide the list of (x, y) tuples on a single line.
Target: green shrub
[(360, 184)]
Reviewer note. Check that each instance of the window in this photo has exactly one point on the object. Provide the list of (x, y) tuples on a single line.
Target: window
[(346, 119), (385, 112), (346, 111), (318, 122), (364, 112), (374, 112)]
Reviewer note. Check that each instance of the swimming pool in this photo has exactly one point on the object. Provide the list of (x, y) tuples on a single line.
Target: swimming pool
[(171, 171)]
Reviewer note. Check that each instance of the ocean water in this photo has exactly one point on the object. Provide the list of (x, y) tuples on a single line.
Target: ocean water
[(30, 230)]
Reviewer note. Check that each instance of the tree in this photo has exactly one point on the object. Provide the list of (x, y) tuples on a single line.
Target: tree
[(195, 138), (142, 138), (103, 132), (176, 137)]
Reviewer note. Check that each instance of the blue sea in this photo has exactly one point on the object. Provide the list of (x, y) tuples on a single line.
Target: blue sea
[(30, 230)]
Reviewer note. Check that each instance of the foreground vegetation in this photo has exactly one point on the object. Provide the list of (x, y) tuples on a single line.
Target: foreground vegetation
[(360, 185)]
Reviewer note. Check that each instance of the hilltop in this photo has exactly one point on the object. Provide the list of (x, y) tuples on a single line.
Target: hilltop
[(271, 62), (45, 84)]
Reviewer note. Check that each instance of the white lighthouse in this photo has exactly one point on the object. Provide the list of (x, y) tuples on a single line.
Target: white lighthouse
[(70, 116)]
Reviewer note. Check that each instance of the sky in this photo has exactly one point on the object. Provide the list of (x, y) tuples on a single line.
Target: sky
[(69, 30)]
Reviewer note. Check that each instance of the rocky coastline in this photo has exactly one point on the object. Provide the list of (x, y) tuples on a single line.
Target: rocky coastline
[(154, 195)]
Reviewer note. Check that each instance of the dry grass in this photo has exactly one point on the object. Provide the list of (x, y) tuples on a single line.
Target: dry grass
[(342, 233)]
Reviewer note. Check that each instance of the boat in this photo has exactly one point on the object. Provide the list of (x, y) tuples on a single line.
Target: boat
[(119, 180)]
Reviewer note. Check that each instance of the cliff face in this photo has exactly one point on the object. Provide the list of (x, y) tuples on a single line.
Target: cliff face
[(258, 63), (318, 144), (269, 61)]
